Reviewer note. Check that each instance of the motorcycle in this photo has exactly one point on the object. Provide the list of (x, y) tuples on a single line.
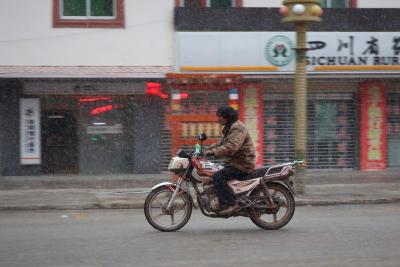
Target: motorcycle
[(266, 195)]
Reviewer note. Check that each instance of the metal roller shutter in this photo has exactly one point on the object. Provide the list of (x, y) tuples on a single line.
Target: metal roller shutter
[(332, 131), (394, 129), (278, 145), (332, 139)]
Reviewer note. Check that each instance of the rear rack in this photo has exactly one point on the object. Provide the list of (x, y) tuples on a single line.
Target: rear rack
[(278, 170)]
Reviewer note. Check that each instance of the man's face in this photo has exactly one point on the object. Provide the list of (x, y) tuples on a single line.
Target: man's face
[(222, 120)]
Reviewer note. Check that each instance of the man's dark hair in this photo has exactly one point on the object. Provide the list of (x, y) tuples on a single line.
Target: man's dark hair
[(228, 113)]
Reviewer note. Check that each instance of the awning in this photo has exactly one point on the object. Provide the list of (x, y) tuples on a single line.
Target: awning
[(7, 71), (203, 81)]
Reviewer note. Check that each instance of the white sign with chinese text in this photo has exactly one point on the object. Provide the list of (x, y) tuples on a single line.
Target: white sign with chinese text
[(30, 131), (276, 49)]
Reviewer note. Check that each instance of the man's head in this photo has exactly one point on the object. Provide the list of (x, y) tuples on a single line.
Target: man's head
[(227, 115)]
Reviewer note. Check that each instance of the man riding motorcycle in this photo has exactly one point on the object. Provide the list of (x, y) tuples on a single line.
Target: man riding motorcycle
[(237, 148)]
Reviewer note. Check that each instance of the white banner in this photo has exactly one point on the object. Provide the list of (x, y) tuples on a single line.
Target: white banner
[(251, 51), (30, 153)]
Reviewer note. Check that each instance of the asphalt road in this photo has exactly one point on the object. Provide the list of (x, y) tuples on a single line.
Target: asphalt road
[(325, 236)]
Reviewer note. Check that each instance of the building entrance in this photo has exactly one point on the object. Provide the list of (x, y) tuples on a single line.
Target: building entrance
[(106, 141), (59, 142), (195, 99)]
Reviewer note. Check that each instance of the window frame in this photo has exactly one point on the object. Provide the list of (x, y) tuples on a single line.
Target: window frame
[(116, 21)]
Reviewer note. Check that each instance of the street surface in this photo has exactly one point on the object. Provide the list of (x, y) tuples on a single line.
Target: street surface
[(323, 236)]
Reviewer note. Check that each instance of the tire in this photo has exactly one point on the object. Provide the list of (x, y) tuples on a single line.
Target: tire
[(282, 197), (156, 215)]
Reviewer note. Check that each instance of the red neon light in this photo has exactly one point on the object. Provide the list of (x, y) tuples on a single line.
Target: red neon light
[(184, 95), (97, 111), (92, 99), (155, 89)]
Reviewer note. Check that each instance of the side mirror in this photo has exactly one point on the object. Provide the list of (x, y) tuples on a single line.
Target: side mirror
[(202, 137), (182, 154)]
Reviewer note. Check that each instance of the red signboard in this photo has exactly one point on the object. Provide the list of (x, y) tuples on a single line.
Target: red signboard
[(373, 127)]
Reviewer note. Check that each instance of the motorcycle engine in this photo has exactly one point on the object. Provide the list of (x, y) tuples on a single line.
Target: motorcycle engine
[(209, 199)]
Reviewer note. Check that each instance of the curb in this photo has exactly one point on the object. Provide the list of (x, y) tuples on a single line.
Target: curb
[(347, 202), (139, 204)]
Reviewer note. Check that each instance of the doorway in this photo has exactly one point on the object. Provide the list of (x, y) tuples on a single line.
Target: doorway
[(59, 142)]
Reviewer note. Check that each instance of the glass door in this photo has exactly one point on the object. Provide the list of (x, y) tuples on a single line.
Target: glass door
[(104, 138)]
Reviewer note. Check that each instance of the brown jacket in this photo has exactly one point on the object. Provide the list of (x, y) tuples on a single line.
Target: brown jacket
[(237, 148)]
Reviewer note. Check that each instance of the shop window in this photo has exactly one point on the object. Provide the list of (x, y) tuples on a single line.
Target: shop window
[(88, 13)]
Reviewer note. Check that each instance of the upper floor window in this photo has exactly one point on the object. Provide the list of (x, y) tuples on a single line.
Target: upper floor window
[(220, 3), (209, 3), (88, 9), (337, 3), (88, 13)]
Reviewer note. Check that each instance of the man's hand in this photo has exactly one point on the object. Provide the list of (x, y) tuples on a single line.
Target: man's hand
[(208, 153)]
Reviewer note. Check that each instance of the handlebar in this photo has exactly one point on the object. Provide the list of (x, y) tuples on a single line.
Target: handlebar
[(299, 163)]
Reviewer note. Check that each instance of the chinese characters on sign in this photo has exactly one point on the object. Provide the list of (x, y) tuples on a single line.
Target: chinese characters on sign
[(373, 127), (355, 49), (30, 131)]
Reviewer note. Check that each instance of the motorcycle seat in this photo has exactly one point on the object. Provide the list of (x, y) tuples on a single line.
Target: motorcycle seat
[(259, 172)]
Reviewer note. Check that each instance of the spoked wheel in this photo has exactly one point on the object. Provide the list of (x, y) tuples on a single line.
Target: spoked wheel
[(161, 218), (271, 217)]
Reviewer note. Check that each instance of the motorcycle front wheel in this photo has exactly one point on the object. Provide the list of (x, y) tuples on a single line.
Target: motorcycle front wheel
[(167, 220), (273, 217)]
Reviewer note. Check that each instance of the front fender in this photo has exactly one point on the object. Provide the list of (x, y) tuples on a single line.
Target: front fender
[(171, 186)]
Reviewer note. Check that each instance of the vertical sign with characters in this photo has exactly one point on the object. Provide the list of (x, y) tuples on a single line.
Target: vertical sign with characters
[(373, 149), (30, 131)]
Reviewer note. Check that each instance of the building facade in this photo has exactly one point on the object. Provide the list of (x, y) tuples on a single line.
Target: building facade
[(117, 86), (73, 78), (353, 70)]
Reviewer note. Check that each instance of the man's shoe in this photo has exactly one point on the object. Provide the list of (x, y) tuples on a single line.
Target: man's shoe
[(229, 210)]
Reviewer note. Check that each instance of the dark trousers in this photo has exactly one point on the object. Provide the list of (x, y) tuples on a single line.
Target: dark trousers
[(220, 179)]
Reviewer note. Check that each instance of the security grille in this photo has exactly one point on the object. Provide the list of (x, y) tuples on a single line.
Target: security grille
[(278, 145), (394, 129), (332, 133)]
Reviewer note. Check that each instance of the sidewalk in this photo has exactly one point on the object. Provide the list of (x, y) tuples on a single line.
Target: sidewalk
[(129, 191)]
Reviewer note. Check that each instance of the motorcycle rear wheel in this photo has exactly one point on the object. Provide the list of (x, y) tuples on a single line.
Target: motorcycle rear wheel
[(161, 219), (273, 218)]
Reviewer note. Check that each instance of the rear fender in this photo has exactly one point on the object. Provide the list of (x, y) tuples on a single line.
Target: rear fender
[(288, 183), (284, 178)]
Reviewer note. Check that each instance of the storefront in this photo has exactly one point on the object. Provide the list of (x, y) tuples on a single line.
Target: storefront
[(348, 66), (79, 126), (194, 100), (332, 125)]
